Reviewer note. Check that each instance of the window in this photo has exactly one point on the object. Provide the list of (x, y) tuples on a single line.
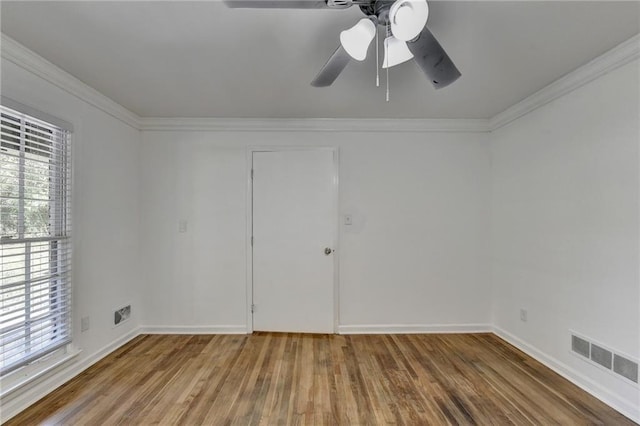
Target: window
[(35, 244)]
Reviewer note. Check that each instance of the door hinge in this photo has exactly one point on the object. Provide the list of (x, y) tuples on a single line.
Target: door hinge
[(252, 241), (253, 308), (251, 174)]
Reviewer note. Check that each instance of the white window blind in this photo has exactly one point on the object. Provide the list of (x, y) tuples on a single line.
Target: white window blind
[(35, 244)]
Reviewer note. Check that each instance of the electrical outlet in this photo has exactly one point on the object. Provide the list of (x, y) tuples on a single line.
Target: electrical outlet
[(84, 324), (523, 315)]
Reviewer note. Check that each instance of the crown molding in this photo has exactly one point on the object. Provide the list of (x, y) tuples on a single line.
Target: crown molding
[(15, 52), (20, 55), (32, 62), (314, 124), (615, 58)]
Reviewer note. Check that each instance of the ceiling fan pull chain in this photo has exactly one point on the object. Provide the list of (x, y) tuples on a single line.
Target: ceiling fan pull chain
[(387, 84), (377, 59), (389, 60)]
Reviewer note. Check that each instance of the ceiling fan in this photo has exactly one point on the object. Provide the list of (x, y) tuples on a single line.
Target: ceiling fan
[(407, 36)]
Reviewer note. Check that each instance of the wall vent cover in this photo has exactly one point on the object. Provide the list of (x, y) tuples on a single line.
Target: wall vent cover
[(625, 367), (601, 356), (597, 354), (121, 315), (580, 346)]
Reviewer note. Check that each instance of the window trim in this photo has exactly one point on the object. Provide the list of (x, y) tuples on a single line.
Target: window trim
[(55, 355), (27, 110)]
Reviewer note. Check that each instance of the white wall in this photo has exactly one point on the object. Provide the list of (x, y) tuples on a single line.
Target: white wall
[(555, 192), (414, 256), (565, 228), (105, 214)]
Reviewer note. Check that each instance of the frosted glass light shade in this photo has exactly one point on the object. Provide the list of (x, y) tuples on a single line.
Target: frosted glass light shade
[(395, 52), (408, 18), (356, 40)]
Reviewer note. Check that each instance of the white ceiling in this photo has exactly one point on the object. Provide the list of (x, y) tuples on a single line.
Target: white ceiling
[(201, 59)]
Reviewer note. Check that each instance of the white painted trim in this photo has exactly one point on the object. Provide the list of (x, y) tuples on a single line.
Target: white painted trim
[(249, 246), (20, 379), (33, 112), (627, 408), (314, 124), (15, 401), (18, 401), (415, 329), (193, 329), (15, 52), (603, 64), (336, 239), (32, 62)]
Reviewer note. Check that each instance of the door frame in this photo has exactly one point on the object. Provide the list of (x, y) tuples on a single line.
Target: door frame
[(336, 232)]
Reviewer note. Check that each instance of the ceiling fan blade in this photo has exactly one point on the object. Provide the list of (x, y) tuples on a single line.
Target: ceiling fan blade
[(433, 60), (332, 68), (276, 4)]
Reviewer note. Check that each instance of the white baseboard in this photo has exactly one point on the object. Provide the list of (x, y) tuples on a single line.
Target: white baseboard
[(194, 329), (21, 399), (414, 329), (627, 408)]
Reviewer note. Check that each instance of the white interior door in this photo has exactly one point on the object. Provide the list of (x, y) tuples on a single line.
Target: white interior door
[(293, 229)]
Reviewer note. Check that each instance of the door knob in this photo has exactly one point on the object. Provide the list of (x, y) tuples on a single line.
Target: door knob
[(328, 251)]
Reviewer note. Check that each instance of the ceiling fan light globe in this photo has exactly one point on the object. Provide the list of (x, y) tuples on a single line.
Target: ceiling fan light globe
[(356, 40), (408, 18), (395, 52)]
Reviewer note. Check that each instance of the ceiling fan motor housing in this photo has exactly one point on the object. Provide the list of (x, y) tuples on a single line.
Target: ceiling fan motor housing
[(339, 4), (378, 8)]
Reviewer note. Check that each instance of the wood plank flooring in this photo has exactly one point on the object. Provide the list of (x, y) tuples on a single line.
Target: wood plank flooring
[(273, 379)]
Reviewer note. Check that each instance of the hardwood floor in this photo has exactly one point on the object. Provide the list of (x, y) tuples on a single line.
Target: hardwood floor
[(271, 379)]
